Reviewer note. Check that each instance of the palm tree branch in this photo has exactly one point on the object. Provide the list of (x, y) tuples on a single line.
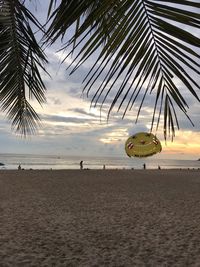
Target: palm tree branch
[(21, 55), (122, 32)]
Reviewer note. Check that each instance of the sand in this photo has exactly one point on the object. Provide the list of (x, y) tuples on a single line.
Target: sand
[(100, 218)]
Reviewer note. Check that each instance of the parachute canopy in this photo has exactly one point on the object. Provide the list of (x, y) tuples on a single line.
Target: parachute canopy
[(142, 145)]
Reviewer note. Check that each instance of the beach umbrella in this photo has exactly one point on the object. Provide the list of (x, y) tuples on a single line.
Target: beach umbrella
[(142, 145)]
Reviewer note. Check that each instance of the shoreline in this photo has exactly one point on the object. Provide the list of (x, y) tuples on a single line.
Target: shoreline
[(106, 169), (67, 162)]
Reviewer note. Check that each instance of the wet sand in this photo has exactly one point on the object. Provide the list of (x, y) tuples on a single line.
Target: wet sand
[(109, 218)]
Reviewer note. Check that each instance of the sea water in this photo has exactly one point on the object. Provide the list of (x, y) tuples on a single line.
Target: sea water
[(12, 161)]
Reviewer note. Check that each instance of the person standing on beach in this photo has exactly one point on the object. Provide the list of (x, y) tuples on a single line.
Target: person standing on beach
[(81, 165), (144, 166), (19, 167)]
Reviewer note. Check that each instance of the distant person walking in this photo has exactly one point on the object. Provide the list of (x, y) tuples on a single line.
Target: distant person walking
[(81, 164), (144, 166)]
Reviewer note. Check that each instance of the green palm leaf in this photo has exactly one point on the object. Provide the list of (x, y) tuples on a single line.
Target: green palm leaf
[(20, 58), (144, 44)]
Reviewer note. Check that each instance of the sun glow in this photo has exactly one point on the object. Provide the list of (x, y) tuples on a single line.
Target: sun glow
[(115, 136), (186, 142)]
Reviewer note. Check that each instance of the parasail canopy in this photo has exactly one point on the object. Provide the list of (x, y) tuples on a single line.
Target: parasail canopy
[(142, 145)]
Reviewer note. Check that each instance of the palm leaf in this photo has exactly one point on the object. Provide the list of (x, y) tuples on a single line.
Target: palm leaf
[(145, 44), (20, 59)]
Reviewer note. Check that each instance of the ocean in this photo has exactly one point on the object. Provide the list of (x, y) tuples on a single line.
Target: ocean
[(12, 161)]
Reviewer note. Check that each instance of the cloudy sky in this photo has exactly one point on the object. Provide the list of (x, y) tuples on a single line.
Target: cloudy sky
[(71, 127)]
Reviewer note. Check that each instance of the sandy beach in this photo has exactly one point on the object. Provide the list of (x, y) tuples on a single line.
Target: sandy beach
[(100, 218)]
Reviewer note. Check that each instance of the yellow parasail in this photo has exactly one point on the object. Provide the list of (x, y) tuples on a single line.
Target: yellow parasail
[(142, 145)]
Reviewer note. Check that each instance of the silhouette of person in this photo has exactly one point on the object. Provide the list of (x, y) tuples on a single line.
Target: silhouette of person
[(81, 165), (159, 167), (19, 167), (144, 166)]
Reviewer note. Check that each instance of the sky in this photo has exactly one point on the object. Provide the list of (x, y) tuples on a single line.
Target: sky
[(71, 127)]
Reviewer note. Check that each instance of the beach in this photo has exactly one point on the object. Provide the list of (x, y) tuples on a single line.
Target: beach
[(96, 218)]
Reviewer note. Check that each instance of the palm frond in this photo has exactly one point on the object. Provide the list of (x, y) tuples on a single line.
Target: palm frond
[(20, 59), (143, 47)]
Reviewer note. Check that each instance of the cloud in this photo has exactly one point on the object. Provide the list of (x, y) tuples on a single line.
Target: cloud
[(70, 127), (55, 118), (55, 101), (83, 112)]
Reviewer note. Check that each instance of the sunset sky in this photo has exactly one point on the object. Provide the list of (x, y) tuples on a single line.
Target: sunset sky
[(70, 127)]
